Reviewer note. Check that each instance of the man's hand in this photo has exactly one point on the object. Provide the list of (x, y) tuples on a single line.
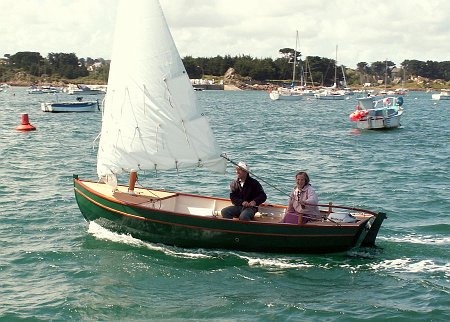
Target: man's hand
[(249, 204)]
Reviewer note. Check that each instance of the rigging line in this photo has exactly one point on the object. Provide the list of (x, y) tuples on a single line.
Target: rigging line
[(146, 189), (96, 139), (223, 155)]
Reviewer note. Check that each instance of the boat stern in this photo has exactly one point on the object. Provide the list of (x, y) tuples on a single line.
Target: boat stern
[(369, 239)]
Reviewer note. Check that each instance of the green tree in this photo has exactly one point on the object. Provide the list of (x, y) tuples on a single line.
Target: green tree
[(244, 65), (67, 65), (282, 69), (263, 69), (191, 66), (28, 61), (322, 70), (444, 68), (215, 66)]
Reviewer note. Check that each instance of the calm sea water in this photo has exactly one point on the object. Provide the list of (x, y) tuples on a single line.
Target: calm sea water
[(54, 266)]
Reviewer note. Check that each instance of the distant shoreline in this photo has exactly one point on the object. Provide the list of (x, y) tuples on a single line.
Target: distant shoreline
[(226, 87)]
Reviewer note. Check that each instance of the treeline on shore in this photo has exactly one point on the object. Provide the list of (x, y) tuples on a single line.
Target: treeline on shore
[(31, 67), (316, 71)]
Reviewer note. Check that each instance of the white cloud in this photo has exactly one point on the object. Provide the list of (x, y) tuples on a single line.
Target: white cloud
[(368, 30)]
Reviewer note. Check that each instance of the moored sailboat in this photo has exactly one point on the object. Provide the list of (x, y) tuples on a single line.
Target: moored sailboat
[(331, 93), (293, 93), (151, 121)]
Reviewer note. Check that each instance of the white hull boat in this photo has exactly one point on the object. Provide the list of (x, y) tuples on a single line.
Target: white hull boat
[(378, 114), (442, 96), (330, 95), (288, 94), (66, 107), (84, 90), (285, 95)]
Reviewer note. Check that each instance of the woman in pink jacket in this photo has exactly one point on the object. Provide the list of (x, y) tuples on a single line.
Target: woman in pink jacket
[(303, 202)]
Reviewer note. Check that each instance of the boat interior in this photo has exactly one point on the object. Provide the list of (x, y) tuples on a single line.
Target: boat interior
[(198, 205)]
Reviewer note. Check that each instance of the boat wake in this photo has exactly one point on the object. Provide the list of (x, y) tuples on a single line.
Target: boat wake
[(404, 265), (253, 260), (365, 252), (276, 262), (102, 233), (410, 265), (418, 239)]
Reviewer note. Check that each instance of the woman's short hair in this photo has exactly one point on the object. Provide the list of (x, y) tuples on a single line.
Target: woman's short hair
[(305, 175)]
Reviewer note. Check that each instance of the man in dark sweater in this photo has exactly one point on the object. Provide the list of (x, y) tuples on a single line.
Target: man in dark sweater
[(246, 194)]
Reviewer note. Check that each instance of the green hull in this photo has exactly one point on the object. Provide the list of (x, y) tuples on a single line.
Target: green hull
[(193, 231)]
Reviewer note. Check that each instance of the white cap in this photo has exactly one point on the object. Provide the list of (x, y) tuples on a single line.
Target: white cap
[(243, 166)]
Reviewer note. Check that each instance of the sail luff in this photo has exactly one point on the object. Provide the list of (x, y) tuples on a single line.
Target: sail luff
[(151, 117)]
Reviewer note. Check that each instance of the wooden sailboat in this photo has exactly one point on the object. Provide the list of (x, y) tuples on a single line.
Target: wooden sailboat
[(152, 121)]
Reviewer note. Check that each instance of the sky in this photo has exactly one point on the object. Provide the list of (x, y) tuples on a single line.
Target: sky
[(364, 30)]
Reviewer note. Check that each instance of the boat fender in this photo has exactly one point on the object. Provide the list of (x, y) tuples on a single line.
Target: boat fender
[(342, 217), (353, 116), (357, 115), (399, 101)]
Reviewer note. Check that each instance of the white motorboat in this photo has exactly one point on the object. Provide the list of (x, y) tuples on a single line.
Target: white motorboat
[(65, 107), (372, 114), (84, 90)]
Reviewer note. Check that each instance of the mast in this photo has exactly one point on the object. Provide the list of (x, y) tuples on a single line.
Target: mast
[(385, 76), (335, 69), (308, 71), (403, 78), (295, 59), (343, 74)]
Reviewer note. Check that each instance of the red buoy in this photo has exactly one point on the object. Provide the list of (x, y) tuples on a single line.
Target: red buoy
[(25, 126)]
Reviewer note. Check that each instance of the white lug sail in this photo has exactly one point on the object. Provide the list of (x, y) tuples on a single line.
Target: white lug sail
[(151, 118)]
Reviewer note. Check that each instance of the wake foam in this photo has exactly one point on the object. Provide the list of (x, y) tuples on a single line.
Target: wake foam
[(102, 233), (418, 239)]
